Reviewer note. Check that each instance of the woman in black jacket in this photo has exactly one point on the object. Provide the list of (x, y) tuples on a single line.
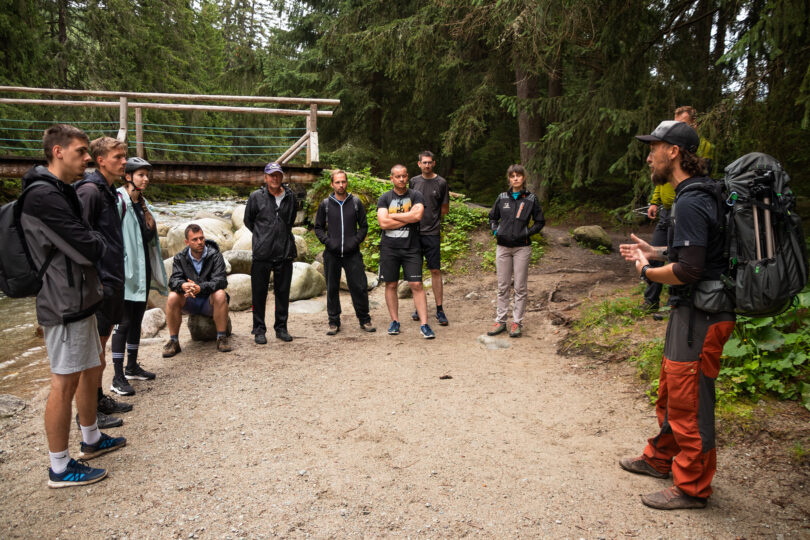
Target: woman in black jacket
[(510, 220)]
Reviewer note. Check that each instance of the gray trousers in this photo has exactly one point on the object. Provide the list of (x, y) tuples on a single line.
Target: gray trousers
[(512, 262)]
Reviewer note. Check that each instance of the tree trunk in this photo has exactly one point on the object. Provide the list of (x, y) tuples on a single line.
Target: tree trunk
[(529, 128), (703, 60), (61, 6), (751, 78), (375, 129)]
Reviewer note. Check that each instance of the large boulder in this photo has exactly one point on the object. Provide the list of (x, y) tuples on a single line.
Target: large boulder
[(306, 282), (215, 229), (299, 231), (168, 264), (163, 228), (238, 217), (300, 216), (239, 259), (404, 290), (302, 248), (153, 320), (202, 328), (164, 243), (239, 290), (243, 240), (592, 236), (205, 214), (156, 300), (319, 267)]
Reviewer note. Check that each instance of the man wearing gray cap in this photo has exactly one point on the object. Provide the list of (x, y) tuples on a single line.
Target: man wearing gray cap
[(270, 216), (685, 444)]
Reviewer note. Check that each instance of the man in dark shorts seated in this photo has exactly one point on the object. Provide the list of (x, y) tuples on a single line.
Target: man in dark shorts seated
[(197, 287)]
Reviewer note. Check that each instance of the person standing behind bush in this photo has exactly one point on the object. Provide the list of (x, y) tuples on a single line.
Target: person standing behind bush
[(142, 264), (509, 219)]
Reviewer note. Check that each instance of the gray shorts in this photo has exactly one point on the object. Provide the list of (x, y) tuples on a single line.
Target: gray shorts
[(73, 347)]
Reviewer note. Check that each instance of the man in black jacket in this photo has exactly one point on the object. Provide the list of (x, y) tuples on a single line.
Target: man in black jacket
[(270, 216), (66, 304), (197, 287), (341, 226), (99, 209)]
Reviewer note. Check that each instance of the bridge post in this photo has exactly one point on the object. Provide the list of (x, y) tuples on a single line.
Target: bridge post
[(313, 154), (122, 119), (139, 132)]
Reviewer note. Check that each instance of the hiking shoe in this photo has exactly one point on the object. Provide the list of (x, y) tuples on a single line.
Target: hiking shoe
[(333, 329), (283, 335), (427, 332), (105, 444), (76, 474), (223, 344), (415, 315), (108, 405), (497, 328), (260, 339), (516, 330), (367, 327), (103, 421), (122, 387), (442, 318), (171, 348), (648, 307), (672, 498), (137, 373), (639, 465), (393, 328)]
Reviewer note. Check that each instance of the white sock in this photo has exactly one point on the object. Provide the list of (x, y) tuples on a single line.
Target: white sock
[(59, 461), (90, 434)]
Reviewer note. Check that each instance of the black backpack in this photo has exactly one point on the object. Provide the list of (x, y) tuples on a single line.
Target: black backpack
[(763, 240), (19, 276)]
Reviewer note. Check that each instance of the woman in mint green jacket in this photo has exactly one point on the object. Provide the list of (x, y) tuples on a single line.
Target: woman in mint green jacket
[(143, 267)]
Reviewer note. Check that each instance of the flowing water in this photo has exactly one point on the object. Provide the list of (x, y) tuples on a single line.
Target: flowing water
[(24, 367)]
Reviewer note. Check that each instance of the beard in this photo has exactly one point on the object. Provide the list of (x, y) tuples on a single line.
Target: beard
[(661, 176)]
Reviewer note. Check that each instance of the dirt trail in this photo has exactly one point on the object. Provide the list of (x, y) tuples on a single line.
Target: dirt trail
[(360, 435)]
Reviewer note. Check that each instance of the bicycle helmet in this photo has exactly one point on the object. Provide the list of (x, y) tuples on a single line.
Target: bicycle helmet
[(135, 163)]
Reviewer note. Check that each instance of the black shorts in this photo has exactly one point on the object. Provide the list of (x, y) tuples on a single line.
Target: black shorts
[(109, 313), (432, 251), (392, 259)]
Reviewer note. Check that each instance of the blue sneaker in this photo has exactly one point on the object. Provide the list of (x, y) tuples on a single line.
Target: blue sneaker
[(427, 333), (442, 318), (76, 474), (105, 444), (393, 328)]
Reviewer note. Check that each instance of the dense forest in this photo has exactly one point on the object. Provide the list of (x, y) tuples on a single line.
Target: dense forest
[(558, 86)]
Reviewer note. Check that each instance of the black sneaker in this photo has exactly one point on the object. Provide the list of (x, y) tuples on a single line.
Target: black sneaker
[(415, 315), (442, 318), (76, 474), (137, 373), (260, 339), (122, 387), (103, 445), (108, 405), (103, 421), (283, 335)]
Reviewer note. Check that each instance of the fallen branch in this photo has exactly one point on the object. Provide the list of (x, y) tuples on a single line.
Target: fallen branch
[(570, 271)]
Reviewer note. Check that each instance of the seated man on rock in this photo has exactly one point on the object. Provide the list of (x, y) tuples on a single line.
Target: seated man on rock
[(197, 287)]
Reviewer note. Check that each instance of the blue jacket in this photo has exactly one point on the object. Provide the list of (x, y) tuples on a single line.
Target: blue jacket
[(136, 288)]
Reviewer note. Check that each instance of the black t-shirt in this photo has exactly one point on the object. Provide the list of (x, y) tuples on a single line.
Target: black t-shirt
[(407, 236), (694, 223), (436, 194)]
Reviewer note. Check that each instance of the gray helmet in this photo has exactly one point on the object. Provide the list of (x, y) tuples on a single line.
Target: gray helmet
[(135, 163)]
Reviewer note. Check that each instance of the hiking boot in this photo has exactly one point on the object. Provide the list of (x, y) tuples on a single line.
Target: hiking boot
[(639, 465), (171, 348), (367, 327), (442, 318), (76, 474), (672, 498), (415, 315), (497, 328), (283, 335), (516, 330), (103, 445), (393, 328), (223, 344), (333, 329), (137, 373), (103, 421), (427, 332), (648, 307), (108, 405), (122, 387), (260, 339)]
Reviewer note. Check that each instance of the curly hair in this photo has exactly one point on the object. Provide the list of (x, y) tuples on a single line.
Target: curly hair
[(692, 164)]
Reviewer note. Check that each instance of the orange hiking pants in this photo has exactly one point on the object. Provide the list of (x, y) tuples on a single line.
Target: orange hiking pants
[(685, 406)]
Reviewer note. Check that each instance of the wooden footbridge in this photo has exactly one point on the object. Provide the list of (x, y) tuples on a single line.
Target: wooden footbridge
[(215, 154)]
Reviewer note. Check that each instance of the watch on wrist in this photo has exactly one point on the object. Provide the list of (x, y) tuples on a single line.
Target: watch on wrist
[(644, 273)]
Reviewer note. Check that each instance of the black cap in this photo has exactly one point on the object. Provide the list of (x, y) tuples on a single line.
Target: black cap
[(672, 132)]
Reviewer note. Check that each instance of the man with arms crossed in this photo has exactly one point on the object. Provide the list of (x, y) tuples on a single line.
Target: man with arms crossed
[(399, 212), (437, 203), (66, 304), (99, 208)]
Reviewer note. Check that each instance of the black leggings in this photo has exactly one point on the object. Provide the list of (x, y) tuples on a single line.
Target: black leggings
[(127, 335)]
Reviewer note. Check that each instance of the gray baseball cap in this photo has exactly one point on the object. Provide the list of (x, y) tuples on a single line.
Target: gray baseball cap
[(672, 132)]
